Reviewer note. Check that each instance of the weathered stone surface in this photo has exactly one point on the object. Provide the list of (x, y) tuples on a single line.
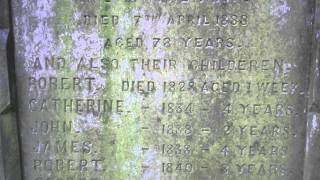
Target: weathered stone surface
[(312, 165), (4, 80), (163, 89), (9, 145)]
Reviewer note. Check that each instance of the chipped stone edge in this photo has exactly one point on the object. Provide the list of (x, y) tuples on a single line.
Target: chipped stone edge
[(312, 146)]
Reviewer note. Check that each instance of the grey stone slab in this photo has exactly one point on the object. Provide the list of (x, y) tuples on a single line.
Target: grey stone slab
[(176, 89), (10, 168)]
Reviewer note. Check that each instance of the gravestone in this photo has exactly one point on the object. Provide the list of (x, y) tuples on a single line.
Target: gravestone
[(167, 89)]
